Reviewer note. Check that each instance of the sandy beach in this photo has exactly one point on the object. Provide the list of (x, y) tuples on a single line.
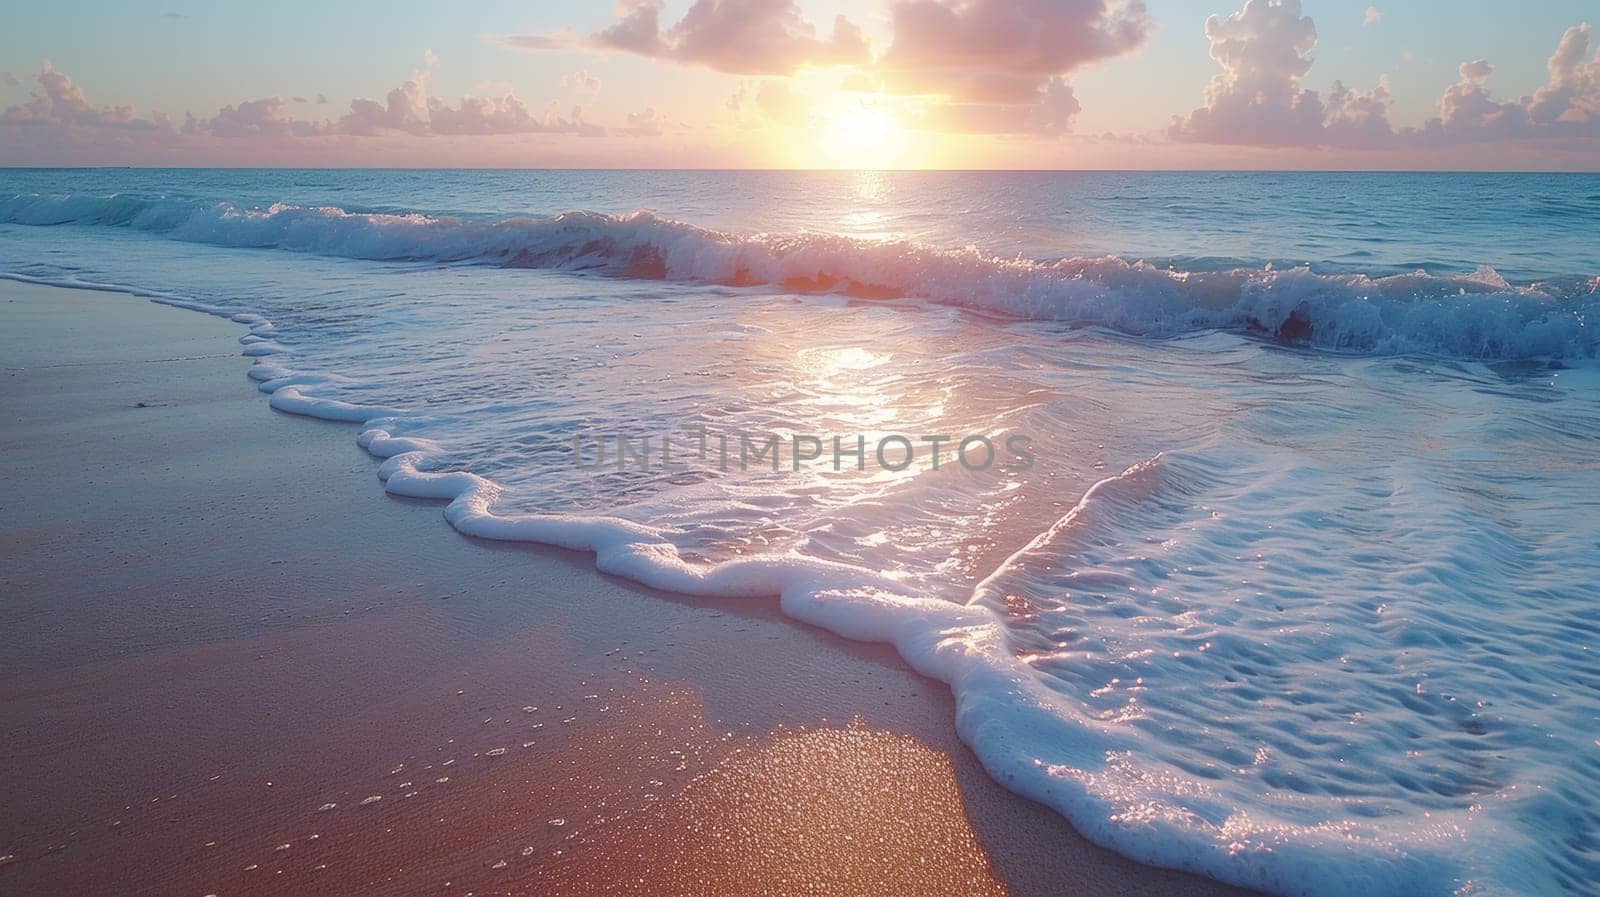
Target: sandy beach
[(233, 666)]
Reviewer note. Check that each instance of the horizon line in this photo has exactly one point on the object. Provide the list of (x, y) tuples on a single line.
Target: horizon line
[(793, 170)]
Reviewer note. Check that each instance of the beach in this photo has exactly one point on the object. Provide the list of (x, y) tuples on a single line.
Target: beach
[(766, 447), (233, 665)]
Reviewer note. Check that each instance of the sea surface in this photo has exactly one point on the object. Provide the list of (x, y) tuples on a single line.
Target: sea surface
[(1265, 537)]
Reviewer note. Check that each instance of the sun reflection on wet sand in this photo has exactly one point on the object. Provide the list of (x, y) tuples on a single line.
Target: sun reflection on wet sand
[(837, 811)]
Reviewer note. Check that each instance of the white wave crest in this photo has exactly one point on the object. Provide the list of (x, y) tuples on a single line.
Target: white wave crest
[(1478, 316)]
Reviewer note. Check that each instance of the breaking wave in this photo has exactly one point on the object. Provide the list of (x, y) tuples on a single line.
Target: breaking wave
[(1478, 316)]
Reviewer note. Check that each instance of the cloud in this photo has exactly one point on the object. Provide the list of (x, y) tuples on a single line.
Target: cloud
[(1567, 105), (64, 114), (506, 115), (581, 81), (989, 66), (1257, 98), (1003, 51), (645, 123), (63, 104), (1049, 112), (10, 79), (999, 66), (742, 37), (1573, 92), (1264, 51), (256, 118), (637, 30), (173, 15), (1372, 17), (409, 109), (564, 39), (404, 109)]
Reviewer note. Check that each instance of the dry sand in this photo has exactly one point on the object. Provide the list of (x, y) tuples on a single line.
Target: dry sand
[(231, 665)]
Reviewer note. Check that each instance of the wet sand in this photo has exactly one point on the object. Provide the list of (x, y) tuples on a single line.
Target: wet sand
[(232, 665)]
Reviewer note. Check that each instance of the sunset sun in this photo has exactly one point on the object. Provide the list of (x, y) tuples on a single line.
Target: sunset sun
[(864, 135)]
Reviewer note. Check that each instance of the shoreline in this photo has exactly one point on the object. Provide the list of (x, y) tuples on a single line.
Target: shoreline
[(216, 639)]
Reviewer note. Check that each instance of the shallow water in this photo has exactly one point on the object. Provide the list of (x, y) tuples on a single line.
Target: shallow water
[(1295, 590)]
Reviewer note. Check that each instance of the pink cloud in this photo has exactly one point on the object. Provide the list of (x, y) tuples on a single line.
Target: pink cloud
[(1475, 71), (506, 115), (644, 123), (407, 109), (1050, 111), (749, 37), (1264, 51), (61, 122), (997, 66), (404, 109), (989, 51), (1573, 92), (1565, 107), (994, 66), (581, 81), (255, 118), (63, 104)]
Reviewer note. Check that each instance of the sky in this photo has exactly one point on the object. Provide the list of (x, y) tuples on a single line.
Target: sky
[(1051, 84)]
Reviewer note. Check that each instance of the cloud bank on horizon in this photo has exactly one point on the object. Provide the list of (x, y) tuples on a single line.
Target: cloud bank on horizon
[(975, 69), (1257, 99)]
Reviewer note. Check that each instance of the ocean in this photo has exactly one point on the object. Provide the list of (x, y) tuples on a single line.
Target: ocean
[(1252, 518)]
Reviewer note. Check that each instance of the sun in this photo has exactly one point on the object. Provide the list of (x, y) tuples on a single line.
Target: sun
[(864, 134)]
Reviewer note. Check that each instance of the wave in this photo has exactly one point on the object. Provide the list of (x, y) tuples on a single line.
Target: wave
[(1477, 316)]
